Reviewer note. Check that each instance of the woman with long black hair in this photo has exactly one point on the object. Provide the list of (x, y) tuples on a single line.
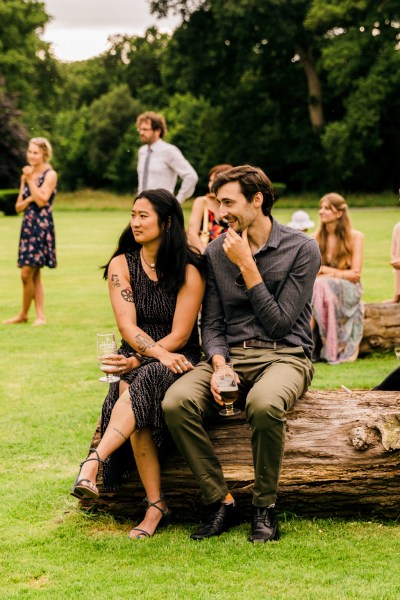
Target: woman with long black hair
[(156, 288)]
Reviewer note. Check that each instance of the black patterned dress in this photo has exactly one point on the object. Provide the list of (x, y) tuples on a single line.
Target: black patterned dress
[(148, 383), (37, 244)]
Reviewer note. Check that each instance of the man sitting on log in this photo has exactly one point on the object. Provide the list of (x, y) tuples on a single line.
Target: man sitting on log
[(256, 315)]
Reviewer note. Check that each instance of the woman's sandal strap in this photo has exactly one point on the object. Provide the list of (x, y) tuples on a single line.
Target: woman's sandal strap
[(78, 483), (161, 499), (96, 458), (97, 455), (142, 531)]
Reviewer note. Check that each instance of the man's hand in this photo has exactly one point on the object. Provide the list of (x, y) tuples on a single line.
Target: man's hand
[(237, 248), (215, 388)]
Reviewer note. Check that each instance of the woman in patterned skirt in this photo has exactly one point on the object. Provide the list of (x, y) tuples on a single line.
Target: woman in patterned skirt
[(156, 288), (337, 309), (37, 240)]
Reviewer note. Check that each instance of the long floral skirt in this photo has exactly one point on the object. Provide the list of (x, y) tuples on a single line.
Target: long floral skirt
[(338, 313)]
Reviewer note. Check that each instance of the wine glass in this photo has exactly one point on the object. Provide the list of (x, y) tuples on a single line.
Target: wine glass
[(106, 344), (228, 389)]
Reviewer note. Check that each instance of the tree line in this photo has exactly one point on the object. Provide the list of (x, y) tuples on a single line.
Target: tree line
[(306, 89)]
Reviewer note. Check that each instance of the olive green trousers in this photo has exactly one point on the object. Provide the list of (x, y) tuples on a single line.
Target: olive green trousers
[(270, 383)]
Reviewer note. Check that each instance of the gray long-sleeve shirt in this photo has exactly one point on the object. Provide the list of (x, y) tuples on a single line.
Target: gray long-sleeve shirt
[(279, 309)]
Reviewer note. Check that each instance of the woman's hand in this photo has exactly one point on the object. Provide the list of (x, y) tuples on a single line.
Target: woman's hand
[(27, 172), (119, 364), (177, 363), (395, 263), (353, 276), (22, 204), (347, 274)]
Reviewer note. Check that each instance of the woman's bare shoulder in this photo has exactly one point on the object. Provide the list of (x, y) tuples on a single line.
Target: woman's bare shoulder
[(118, 262), (357, 235), (199, 200)]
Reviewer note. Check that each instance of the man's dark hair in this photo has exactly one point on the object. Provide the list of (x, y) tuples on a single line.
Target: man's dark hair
[(251, 180)]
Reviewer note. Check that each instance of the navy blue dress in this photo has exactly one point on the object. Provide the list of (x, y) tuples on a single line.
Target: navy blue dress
[(37, 244)]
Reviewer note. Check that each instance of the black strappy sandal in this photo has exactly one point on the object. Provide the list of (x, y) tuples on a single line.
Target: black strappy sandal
[(83, 491), (164, 522)]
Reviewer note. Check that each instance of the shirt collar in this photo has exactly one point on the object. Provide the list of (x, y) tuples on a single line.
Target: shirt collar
[(156, 145), (274, 237)]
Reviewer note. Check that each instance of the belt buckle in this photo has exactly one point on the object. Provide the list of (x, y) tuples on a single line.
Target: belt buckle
[(246, 346)]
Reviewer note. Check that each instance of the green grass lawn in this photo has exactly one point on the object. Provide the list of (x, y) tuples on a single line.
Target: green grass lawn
[(50, 402)]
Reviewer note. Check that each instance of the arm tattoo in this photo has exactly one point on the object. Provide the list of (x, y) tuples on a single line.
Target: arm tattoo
[(120, 433), (144, 342), (115, 281), (127, 295)]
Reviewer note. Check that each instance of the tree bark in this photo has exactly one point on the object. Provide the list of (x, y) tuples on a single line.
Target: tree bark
[(381, 327), (342, 458), (315, 108)]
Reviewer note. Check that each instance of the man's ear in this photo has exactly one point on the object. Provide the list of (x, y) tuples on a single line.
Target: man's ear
[(258, 199)]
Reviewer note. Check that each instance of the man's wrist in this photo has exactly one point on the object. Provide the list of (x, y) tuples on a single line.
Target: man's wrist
[(218, 361)]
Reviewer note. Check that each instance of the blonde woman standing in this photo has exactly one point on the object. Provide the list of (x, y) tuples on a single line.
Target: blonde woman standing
[(337, 310), (37, 239)]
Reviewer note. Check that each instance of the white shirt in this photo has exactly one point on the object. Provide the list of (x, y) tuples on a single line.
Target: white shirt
[(166, 164)]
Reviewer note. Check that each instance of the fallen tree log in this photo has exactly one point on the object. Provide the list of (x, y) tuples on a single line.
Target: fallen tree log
[(342, 458), (381, 327)]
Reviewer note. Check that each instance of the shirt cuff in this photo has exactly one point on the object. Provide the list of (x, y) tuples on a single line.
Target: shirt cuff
[(223, 351)]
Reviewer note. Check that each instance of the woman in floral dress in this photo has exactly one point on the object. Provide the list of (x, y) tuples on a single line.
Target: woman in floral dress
[(37, 240), (337, 309)]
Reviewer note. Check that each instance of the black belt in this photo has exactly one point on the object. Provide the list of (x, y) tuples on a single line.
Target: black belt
[(260, 344)]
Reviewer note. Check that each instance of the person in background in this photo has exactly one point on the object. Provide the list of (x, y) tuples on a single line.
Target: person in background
[(395, 262), (156, 287), (159, 163), (337, 311), (256, 315), (37, 247), (301, 221), (204, 224)]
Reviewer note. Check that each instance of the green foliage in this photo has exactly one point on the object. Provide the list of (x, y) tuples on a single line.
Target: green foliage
[(8, 199), (70, 141), (279, 189), (137, 61), (192, 126), (121, 171), (361, 58), (26, 64), (83, 82), (307, 90), (13, 140), (109, 118), (97, 144)]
